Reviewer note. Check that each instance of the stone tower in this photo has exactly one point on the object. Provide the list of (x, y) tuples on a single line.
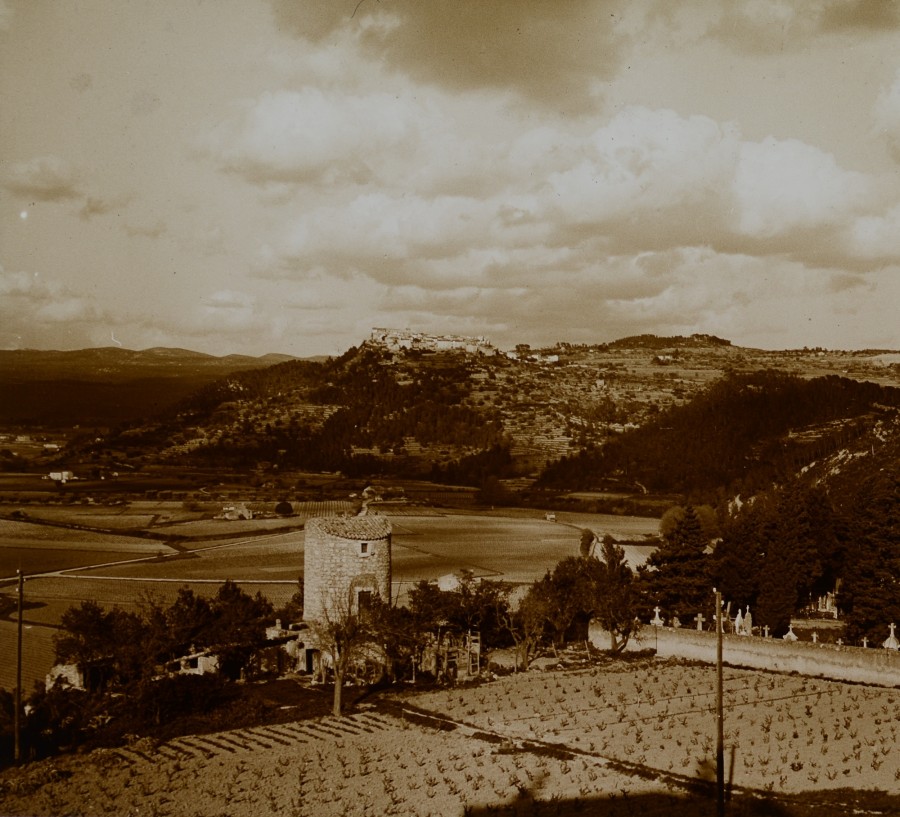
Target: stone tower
[(347, 559)]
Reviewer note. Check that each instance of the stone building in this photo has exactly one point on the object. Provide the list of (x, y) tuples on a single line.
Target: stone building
[(346, 559)]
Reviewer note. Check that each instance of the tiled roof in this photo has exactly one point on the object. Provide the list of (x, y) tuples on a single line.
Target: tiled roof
[(352, 527)]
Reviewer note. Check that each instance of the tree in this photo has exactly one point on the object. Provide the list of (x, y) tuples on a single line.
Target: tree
[(188, 623), (616, 596), (870, 595), (676, 576), (293, 609), (779, 553), (237, 628), (528, 624), (705, 513), (570, 593), (393, 628), (586, 544), (341, 635), (480, 606), (84, 637), (105, 645), (431, 612)]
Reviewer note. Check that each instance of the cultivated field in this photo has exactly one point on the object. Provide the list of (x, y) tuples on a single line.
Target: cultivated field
[(618, 739), (127, 571), (35, 548)]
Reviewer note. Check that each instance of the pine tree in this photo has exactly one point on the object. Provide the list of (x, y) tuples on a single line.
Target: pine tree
[(677, 577)]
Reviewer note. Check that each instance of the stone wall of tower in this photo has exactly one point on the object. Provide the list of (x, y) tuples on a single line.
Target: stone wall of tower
[(344, 556)]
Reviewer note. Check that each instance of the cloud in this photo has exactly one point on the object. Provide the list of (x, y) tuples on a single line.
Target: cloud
[(531, 47), (778, 26), (878, 237), (227, 310), (44, 178), (320, 137), (887, 115), (781, 186), (6, 16), (645, 161), (95, 206), (310, 135), (553, 198), (866, 15), (40, 313)]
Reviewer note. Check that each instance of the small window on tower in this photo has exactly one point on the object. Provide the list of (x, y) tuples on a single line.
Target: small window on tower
[(364, 549)]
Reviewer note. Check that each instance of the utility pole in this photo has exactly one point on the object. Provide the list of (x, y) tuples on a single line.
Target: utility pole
[(720, 714), (17, 719)]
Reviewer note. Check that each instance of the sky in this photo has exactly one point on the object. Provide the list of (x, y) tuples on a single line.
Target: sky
[(255, 176)]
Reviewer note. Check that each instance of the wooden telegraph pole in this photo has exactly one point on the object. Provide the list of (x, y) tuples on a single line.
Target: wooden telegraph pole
[(720, 714), (17, 720)]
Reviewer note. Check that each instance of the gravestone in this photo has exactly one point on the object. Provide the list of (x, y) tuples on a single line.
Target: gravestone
[(656, 621), (699, 619), (891, 643)]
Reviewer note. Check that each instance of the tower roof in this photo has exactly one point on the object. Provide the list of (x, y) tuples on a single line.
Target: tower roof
[(352, 527)]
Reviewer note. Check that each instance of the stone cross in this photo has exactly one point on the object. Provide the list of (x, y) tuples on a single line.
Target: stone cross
[(766, 631), (815, 637), (656, 621), (699, 619), (840, 642), (865, 642)]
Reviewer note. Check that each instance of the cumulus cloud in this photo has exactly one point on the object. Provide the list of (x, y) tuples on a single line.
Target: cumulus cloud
[(647, 181), (784, 185), (326, 137), (309, 134), (529, 46), (37, 312), (878, 237), (43, 178), (645, 160)]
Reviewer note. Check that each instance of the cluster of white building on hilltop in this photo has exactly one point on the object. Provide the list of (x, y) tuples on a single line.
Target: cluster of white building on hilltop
[(396, 339)]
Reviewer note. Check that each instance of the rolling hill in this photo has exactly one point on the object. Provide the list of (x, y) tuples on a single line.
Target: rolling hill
[(105, 386), (672, 415)]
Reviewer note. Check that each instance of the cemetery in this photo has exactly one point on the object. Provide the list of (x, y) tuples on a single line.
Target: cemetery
[(877, 664)]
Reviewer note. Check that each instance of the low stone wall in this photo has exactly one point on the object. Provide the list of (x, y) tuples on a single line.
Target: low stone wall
[(876, 666)]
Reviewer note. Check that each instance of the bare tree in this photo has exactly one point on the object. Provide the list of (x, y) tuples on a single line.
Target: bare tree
[(343, 635)]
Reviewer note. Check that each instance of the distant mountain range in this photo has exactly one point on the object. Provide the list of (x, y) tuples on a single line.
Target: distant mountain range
[(107, 385)]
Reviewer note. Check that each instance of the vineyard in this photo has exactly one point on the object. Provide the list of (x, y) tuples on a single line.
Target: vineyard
[(616, 739)]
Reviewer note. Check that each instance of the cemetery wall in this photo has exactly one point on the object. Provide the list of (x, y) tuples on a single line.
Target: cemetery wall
[(876, 666)]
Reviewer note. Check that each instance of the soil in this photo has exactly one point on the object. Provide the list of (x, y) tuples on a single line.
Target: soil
[(622, 737)]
